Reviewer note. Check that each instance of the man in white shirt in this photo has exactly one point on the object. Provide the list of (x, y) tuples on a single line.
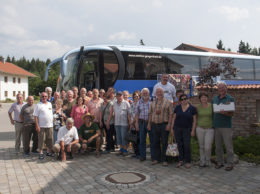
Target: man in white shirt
[(168, 89), (44, 124), (67, 140)]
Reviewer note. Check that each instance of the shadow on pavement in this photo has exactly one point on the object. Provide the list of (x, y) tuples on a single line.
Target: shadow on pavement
[(7, 136)]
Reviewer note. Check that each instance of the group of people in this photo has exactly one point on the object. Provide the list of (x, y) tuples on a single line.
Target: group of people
[(75, 121)]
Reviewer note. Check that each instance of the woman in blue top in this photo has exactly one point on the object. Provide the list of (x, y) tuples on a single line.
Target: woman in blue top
[(184, 124)]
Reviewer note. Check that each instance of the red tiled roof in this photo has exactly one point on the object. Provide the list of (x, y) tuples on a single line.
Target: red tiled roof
[(234, 87), (210, 49), (14, 69)]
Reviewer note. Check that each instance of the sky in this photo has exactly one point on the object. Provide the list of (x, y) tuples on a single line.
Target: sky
[(49, 28)]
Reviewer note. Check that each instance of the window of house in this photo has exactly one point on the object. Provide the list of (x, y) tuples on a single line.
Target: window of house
[(14, 93), (14, 80), (6, 79), (19, 80), (6, 93)]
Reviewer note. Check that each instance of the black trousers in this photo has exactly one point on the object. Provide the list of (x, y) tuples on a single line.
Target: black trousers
[(29, 132), (110, 137)]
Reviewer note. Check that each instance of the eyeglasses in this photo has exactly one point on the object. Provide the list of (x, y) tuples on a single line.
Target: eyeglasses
[(183, 99), (44, 96)]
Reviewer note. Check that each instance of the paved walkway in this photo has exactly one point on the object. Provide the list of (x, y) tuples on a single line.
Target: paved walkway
[(86, 174)]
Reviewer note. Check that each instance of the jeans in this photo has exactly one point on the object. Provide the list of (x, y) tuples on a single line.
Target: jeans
[(160, 136), (110, 133), (121, 134), (226, 135), (143, 133), (182, 136), (205, 138)]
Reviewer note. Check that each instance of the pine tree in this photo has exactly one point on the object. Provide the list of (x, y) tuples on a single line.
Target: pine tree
[(220, 45)]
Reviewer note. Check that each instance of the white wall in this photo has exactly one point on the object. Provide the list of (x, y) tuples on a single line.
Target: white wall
[(10, 86)]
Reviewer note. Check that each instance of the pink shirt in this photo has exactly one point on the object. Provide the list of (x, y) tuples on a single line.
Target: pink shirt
[(94, 108), (77, 113)]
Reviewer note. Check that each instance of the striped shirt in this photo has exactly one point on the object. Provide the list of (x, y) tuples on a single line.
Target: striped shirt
[(142, 109), (165, 109)]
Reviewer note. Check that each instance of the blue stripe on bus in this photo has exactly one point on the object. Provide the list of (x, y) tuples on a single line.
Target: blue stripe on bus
[(132, 85)]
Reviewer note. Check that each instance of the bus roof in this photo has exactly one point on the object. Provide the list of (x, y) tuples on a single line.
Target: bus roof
[(147, 49)]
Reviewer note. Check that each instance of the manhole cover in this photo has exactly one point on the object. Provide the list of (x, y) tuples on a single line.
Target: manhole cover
[(125, 178)]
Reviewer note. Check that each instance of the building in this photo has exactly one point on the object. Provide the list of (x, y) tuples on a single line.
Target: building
[(246, 92), (13, 80)]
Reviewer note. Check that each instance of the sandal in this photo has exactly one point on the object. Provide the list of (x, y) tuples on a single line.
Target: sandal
[(98, 154), (179, 164), (218, 166), (229, 168), (188, 165)]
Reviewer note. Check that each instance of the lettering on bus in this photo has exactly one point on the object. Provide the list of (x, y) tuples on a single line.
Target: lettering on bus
[(145, 56)]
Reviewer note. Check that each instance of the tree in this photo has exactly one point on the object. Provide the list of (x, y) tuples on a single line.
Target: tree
[(216, 67), (2, 58), (8, 59), (142, 42), (220, 45), (254, 51), (244, 47)]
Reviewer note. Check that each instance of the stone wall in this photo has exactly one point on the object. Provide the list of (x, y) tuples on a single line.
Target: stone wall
[(246, 110)]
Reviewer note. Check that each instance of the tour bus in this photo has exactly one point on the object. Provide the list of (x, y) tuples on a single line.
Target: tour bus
[(135, 67)]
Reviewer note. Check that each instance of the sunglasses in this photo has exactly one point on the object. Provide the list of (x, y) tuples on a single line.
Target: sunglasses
[(44, 96), (183, 99)]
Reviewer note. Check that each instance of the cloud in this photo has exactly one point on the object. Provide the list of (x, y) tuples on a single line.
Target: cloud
[(157, 3), (37, 48), (122, 36), (233, 14)]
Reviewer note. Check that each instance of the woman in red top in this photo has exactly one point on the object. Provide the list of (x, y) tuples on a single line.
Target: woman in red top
[(78, 110)]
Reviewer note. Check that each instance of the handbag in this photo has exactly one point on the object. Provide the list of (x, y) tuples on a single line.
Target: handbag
[(131, 136), (172, 149)]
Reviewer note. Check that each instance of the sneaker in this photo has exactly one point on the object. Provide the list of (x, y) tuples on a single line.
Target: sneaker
[(41, 156), (35, 152)]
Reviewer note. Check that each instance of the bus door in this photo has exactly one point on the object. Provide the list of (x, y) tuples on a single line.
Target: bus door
[(88, 71)]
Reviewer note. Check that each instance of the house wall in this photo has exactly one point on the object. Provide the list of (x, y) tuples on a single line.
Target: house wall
[(10, 87), (246, 114)]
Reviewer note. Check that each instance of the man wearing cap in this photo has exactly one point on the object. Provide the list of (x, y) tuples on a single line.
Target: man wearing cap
[(121, 111), (90, 134), (67, 140)]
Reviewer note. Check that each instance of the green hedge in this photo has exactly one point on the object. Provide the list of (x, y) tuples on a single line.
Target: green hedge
[(248, 148)]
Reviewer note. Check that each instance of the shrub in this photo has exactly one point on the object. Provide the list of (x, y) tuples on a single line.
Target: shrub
[(248, 148), (8, 100)]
